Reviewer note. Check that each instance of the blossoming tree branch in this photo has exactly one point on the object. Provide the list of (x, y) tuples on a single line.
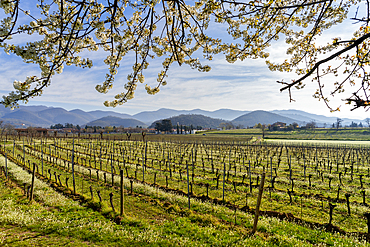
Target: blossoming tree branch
[(177, 31)]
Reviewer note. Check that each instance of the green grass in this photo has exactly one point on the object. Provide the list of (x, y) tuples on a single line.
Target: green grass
[(318, 142), (234, 132), (41, 224), (344, 134)]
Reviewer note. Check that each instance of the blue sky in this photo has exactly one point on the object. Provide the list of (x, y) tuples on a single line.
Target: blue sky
[(247, 85)]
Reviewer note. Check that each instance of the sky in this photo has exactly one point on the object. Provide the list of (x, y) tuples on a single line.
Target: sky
[(247, 85)]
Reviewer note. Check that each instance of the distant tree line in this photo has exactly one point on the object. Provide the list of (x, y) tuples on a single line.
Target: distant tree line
[(96, 129), (65, 126), (165, 125), (355, 125)]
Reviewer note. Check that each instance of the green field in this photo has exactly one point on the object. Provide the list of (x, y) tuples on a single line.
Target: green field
[(219, 177), (318, 142), (348, 134)]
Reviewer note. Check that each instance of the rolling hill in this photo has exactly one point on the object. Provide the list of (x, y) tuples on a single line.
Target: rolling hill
[(263, 117), (150, 116), (116, 121), (193, 119)]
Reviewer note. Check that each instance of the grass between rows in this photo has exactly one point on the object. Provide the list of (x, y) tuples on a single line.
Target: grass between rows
[(56, 220)]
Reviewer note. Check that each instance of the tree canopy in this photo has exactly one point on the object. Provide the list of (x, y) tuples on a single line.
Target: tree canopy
[(164, 125), (177, 31)]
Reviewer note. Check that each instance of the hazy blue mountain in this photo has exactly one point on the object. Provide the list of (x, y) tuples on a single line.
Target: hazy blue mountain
[(193, 119), (116, 121), (85, 115), (4, 110), (20, 123), (34, 108), (150, 116), (27, 117), (308, 117), (99, 114), (42, 116), (227, 114), (263, 117), (60, 115), (299, 116)]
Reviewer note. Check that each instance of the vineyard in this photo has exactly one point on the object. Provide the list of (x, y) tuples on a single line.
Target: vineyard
[(322, 187)]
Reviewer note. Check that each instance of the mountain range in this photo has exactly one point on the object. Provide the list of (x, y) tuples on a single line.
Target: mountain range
[(44, 116)]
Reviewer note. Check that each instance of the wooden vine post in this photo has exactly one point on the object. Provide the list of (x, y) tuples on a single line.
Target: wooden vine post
[(367, 215), (6, 167), (250, 177), (122, 193), (271, 176), (187, 174), (111, 167), (73, 167), (223, 184), (143, 163), (32, 181), (24, 154), (331, 209), (42, 160), (259, 199)]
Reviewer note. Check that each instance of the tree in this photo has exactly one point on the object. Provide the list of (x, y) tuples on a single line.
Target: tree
[(158, 126), (167, 125), (263, 128), (259, 125), (177, 32), (338, 123), (57, 126), (68, 125), (353, 124), (311, 125), (9, 129), (226, 125), (164, 125), (108, 129), (367, 120), (2, 127)]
